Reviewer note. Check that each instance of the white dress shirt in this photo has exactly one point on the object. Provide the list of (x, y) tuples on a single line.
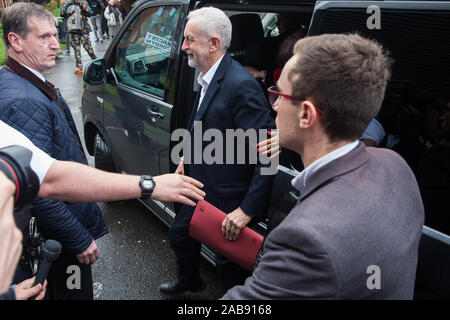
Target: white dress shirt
[(205, 80), (36, 73)]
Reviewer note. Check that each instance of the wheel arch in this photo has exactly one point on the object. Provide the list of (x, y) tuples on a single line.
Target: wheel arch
[(89, 136)]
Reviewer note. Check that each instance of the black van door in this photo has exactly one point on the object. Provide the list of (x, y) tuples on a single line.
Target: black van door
[(139, 89)]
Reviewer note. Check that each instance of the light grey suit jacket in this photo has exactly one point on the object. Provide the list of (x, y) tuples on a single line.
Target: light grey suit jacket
[(358, 211)]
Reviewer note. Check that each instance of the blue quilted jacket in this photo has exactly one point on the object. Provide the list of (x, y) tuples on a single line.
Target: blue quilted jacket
[(32, 112)]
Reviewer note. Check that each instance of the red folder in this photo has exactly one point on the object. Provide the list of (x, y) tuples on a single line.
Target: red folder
[(206, 227)]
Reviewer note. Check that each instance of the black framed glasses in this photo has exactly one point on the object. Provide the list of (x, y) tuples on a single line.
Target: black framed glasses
[(274, 94)]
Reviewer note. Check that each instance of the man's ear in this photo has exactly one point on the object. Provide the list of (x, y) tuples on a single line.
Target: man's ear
[(15, 41), (214, 44), (307, 114)]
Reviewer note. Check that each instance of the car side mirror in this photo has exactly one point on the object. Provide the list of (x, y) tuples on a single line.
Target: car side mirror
[(94, 73)]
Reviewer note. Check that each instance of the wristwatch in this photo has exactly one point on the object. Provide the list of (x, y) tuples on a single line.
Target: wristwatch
[(147, 185)]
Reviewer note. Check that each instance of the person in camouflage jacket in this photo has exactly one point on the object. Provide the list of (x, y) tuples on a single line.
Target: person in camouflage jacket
[(77, 12)]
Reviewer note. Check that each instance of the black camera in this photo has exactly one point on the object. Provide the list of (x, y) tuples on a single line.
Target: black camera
[(15, 164)]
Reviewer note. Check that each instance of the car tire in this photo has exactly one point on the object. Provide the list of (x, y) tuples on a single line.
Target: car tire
[(102, 155)]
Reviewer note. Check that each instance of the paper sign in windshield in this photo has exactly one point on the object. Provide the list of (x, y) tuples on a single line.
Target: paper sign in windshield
[(159, 43)]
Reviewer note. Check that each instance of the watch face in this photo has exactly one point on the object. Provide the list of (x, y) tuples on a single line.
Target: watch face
[(147, 184)]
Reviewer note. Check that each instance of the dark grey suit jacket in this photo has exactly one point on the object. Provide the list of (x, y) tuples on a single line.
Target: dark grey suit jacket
[(361, 210)]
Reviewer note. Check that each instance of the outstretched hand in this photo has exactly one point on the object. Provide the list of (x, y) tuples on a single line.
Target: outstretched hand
[(177, 188)]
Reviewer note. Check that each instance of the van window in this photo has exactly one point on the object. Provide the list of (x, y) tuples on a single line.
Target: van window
[(142, 55), (264, 41)]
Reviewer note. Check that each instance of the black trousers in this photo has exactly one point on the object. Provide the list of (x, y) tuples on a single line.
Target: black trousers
[(70, 280), (187, 252), (103, 24), (186, 249)]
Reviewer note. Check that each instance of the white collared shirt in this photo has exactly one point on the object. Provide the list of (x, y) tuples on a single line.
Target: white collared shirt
[(205, 80), (302, 178), (36, 73)]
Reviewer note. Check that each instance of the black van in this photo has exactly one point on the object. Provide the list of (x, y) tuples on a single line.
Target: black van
[(143, 89)]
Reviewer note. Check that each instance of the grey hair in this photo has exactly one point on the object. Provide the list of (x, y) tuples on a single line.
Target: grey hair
[(15, 18), (213, 22)]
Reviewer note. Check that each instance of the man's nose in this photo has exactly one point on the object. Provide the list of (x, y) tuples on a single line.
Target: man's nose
[(54, 42), (184, 45)]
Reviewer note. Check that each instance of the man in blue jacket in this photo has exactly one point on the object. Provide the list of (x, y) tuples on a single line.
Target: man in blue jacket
[(35, 107)]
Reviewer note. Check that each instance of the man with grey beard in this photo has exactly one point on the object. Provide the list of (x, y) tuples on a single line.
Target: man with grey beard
[(230, 98)]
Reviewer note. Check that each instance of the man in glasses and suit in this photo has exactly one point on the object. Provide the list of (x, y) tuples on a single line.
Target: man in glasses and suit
[(355, 230), (230, 98)]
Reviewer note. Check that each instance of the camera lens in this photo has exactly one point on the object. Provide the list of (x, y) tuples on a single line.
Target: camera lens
[(15, 163)]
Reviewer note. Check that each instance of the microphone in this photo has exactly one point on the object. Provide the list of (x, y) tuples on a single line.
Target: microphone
[(49, 252)]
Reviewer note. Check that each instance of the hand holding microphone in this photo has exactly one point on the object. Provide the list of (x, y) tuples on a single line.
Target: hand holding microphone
[(25, 290), (49, 252)]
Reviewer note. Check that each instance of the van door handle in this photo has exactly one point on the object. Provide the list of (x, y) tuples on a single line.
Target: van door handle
[(155, 115)]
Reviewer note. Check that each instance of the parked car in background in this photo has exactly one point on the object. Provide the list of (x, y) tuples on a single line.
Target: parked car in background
[(143, 89)]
